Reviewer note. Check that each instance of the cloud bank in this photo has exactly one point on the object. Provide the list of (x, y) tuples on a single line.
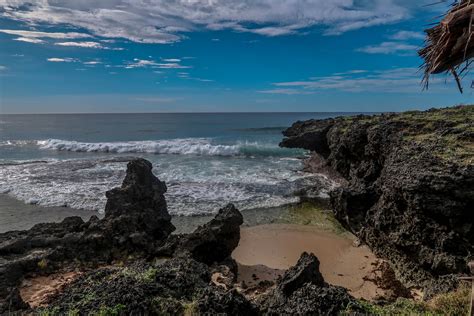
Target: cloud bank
[(397, 80), (166, 21)]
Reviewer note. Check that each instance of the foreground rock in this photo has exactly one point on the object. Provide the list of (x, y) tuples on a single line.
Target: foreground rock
[(302, 291), (178, 286), (210, 243), (134, 233), (410, 190), (136, 222)]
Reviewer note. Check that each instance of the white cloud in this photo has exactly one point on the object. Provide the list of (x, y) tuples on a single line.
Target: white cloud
[(2, 68), (172, 66), (30, 40), (203, 80), (94, 62), (52, 35), (165, 21), (351, 72), (407, 35), (389, 48), (400, 80), (94, 45), (172, 60), (81, 44), (148, 63), (285, 91), (63, 60)]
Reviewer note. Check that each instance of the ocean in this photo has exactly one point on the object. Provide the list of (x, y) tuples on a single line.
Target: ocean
[(206, 160)]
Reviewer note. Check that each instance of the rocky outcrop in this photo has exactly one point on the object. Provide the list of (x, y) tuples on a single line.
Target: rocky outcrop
[(410, 186), (135, 230), (177, 286), (136, 222), (209, 243), (302, 291)]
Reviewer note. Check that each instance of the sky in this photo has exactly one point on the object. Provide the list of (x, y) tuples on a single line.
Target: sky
[(119, 56)]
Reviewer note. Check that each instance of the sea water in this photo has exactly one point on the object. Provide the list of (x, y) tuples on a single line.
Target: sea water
[(207, 160)]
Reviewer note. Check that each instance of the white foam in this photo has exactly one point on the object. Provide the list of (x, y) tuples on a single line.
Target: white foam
[(189, 146), (182, 146), (195, 186)]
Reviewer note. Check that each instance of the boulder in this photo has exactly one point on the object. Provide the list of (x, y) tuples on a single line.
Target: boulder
[(210, 243), (303, 291), (306, 270)]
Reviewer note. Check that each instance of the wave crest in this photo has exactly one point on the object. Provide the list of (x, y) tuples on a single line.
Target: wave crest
[(186, 146)]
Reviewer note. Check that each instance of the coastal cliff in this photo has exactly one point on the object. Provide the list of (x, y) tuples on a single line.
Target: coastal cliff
[(409, 191)]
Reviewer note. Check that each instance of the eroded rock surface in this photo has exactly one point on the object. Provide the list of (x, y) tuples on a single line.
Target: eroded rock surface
[(136, 222), (303, 291), (410, 191), (209, 243), (174, 286)]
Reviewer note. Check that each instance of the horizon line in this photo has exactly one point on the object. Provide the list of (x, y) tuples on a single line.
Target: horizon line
[(238, 112)]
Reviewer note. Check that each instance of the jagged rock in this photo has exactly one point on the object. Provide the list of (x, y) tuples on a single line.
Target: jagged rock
[(209, 243), (136, 213), (215, 241), (305, 271), (410, 191), (303, 291), (136, 222), (12, 302), (308, 135), (216, 301), (177, 286)]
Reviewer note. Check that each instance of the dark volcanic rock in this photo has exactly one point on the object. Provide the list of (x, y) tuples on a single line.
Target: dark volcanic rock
[(306, 270), (410, 191), (136, 213), (178, 286), (136, 222), (308, 135), (215, 241), (302, 291), (209, 243)]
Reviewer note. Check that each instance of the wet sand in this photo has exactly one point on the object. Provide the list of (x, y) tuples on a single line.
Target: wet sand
[(266, 251), (16, 215)]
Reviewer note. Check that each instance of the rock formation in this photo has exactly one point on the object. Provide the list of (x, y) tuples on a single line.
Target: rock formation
[(210, 243), (157, 274), (410, 191), (136, 222), (302, 291), (177, 286)]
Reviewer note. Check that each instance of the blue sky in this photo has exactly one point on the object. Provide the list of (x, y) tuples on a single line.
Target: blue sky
[(66, 56)]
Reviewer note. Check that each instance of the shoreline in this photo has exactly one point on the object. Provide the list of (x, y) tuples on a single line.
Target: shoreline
[(17, 215)]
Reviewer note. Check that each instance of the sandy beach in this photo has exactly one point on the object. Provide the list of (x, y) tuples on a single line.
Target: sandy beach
[(266, 251)]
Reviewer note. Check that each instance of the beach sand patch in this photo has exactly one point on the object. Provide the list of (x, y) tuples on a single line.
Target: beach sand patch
[(264, 252)]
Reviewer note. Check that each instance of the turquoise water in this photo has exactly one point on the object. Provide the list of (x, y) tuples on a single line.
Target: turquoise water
[(207, 160)]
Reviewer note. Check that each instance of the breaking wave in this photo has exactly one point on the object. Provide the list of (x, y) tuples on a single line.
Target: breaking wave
[(185, 146)]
